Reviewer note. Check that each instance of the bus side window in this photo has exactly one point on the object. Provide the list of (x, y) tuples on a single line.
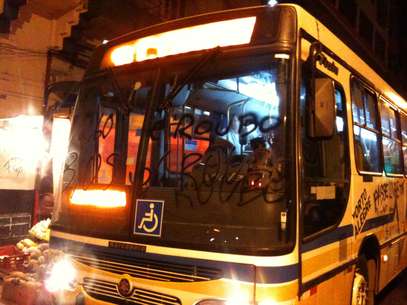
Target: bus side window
[(391, 139), (365, 129), (325, 176), (403, 119)]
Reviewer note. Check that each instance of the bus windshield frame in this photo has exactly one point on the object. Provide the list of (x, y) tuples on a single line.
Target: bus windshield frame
[(149, 88), (161, 83)]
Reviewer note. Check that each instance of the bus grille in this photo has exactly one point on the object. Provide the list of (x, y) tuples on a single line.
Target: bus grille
[(149, 269), (107, 291)]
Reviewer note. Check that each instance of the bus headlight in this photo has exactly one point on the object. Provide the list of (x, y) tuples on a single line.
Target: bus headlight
[(62, 276), (230, 301), (236, 301), (211, 302)]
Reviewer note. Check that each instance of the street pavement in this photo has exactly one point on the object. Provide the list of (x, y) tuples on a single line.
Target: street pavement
[(395, 293)]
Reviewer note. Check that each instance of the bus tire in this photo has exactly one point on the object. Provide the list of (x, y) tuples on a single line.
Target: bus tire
[(363, 287)]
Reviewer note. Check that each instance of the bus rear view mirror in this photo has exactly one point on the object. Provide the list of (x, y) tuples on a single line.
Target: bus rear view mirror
[(321, 112)]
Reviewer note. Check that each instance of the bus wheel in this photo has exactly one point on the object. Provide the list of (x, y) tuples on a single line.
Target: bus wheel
[(363, 282)]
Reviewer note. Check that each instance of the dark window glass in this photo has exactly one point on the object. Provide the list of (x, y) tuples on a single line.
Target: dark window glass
[(370, 110), (366, 133), (403, 120), (392, 149), (357, 104), (405, 159), (394, 129), (404, 129), (384, 114), (392, 156), (367, 149)]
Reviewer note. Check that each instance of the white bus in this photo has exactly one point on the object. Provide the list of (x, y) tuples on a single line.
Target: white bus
[(239, 157)]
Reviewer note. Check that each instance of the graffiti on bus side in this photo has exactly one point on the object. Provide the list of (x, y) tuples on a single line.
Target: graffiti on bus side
[(385, 199), (362, 208), (386, 196)]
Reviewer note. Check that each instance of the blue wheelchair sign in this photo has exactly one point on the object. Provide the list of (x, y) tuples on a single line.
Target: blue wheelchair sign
[(149, 216)]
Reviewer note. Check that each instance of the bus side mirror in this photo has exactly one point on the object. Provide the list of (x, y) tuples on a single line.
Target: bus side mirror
[(321, 110)]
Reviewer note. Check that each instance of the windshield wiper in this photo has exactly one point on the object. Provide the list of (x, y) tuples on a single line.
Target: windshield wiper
[(206, 58)]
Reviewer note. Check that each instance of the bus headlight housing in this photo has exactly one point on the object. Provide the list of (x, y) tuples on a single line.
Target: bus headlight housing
[(211, 302), (237, 301), (62, 276), (229, 301)]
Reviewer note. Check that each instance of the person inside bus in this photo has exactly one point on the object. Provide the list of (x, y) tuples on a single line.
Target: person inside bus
[(238, 137), (233, 136), (261, 158)]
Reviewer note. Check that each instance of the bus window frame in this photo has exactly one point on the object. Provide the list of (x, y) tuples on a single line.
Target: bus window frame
[(378, 132), (383, 100)]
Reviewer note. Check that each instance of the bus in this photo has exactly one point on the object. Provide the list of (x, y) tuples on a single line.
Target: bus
[(246, 156)]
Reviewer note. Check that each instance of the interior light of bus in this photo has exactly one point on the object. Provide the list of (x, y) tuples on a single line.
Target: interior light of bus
[(99, 198), (200, 37)]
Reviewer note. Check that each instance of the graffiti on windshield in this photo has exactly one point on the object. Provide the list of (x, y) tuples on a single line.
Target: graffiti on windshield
[(223, 169)]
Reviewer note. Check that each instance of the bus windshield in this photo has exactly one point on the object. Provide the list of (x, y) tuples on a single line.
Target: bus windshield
[(215, 154)]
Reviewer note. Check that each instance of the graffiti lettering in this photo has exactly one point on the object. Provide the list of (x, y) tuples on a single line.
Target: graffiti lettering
[(218, 175), (362, 208), (383, 195), (186, 126)]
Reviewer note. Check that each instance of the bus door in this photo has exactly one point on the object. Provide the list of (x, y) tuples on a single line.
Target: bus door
[(324, 184)]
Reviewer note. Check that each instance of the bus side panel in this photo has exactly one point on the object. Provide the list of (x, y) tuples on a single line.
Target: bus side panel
[(330, 291), (393, 260)]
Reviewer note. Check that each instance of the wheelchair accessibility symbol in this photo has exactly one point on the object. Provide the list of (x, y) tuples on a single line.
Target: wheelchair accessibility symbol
[(149, 214)]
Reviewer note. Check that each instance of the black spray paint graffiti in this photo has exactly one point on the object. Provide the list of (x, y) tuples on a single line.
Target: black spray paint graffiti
[(221, 174), (217, 171), (386, 199), (94, 163), (362, 208), (186, 126), (386, 196)]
